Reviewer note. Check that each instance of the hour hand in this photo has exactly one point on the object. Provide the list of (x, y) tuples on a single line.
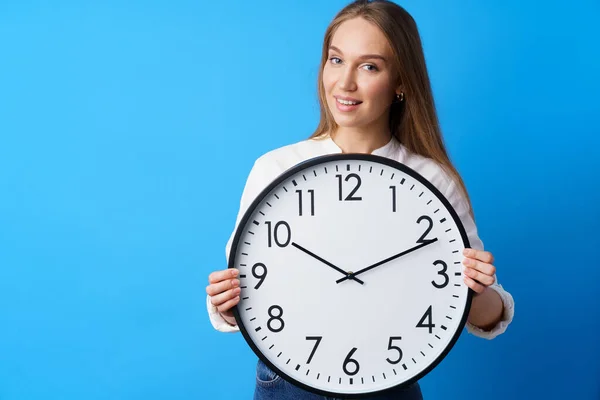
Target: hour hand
[(347, 275)]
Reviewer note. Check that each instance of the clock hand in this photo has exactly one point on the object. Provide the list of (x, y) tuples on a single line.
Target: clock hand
[(296, 245), (353, 275)]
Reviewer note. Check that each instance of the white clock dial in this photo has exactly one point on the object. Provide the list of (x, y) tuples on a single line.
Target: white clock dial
[(351, 275)]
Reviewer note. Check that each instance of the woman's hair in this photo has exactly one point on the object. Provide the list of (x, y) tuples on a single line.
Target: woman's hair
[(414, 121)]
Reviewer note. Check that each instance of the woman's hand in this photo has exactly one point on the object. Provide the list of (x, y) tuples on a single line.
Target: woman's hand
[(224, 291), (487, 308), (479, 271)]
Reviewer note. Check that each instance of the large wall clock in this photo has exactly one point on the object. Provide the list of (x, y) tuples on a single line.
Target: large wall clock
[(351, 276)]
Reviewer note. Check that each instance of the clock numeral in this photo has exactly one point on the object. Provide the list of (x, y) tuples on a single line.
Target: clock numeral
[(393, 198), (277, 318), (429, 324), (262, 275), (430, 221), (350, 196), (349, 360), (318, 341), (443, 273), (276, 233), (312, 201), (390, 347)]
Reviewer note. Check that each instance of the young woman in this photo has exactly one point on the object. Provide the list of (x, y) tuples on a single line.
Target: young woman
[(375, 97)]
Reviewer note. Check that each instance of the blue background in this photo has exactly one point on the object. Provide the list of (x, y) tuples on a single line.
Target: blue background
[(127, 130)]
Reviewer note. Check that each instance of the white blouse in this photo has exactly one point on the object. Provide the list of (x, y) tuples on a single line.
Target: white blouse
[(275, 162)]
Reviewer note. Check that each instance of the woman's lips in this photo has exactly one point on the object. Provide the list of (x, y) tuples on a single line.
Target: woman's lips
[(346, 104)]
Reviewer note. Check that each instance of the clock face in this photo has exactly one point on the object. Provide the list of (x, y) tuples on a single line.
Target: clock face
[(351, 275)]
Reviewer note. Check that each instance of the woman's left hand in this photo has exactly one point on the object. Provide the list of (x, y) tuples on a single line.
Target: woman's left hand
[(479, 271)]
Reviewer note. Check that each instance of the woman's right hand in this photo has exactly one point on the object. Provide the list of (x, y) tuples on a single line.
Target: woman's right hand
[(224, 291)]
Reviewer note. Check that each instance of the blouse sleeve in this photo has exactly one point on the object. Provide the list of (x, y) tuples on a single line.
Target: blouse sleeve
[(460, 205), (257, 180)]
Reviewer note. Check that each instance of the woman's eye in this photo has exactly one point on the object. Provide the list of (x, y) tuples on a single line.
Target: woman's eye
[(371, 67), (334, 60)]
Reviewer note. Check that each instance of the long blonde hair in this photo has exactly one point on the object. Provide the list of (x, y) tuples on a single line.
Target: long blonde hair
[(414, 121)]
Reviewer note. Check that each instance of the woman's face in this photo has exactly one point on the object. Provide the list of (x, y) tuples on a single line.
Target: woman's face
[(358, 78)]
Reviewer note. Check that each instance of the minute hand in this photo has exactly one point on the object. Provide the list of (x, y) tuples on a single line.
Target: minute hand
[(352, 275)]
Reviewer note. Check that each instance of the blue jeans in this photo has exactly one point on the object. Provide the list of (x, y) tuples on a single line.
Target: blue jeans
[(270, 386)]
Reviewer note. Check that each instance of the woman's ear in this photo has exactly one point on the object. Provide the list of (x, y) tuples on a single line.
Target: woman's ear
[(399, 87)]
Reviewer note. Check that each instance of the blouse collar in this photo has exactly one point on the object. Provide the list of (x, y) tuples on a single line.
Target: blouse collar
[(385, 151)]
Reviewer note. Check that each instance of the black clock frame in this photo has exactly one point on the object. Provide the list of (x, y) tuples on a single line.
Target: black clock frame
[(339, 158)]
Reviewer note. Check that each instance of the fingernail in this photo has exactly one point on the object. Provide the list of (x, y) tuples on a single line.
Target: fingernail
[(235, 282), (236, 291), (234, 272)]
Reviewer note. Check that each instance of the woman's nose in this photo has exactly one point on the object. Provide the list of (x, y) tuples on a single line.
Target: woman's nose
[(347, 80)]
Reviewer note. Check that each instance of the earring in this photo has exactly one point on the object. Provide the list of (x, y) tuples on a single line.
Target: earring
[(400, 97)]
